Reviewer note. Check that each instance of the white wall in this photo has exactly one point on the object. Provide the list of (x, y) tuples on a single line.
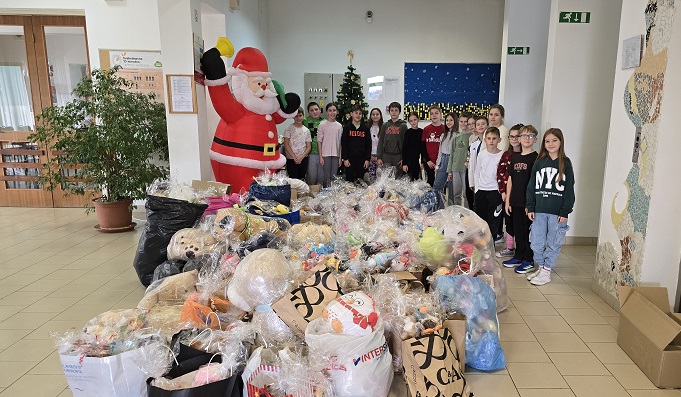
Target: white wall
[(314, 36), (526, 24), (125, 25), (577, 95), (655, 252)]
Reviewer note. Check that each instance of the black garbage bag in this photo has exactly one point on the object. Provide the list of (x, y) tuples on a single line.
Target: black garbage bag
[(165, 216), (168, 268), (280, 194)]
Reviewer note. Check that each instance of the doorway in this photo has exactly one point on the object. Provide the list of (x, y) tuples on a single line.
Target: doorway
[(42, 58)]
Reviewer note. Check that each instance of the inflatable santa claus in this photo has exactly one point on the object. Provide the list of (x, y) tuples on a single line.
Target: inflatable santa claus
[(246, 140)]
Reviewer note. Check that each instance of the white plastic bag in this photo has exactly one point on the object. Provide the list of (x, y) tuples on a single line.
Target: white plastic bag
[(363, 364), (112, 376)]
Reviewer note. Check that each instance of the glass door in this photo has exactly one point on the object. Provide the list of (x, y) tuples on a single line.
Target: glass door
[(41, 60)]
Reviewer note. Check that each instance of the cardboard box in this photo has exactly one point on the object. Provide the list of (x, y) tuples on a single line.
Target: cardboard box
[(223, 188), (650, 334)]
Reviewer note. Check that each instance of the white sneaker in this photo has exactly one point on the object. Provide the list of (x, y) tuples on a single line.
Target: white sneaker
[(544, 277), (533, 274)]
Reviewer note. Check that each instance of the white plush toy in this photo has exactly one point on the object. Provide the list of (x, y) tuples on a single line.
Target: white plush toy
[(352, 314)]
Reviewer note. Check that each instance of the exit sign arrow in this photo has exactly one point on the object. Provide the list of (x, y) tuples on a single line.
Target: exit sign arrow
[(518, 50), (574, 17)]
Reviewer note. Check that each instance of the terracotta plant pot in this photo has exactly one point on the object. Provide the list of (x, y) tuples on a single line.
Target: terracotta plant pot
[(114, 216)]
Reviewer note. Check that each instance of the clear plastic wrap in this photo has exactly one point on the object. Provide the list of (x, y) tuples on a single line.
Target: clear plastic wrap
[(108, 334), (233, 223), (190, 243), (165, 320), (175, 189), (458, 241), (171, 290), (472, 297), (309, 233), (262, 278), (302, 375), (206, 357)]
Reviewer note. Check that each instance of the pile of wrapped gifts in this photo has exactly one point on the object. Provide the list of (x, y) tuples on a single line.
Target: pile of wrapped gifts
[(345, 292)]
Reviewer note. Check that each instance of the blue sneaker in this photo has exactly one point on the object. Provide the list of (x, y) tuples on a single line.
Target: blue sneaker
[(511, 262), (524, 267)]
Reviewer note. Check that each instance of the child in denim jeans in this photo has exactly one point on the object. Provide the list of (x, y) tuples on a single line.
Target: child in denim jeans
[(550, 198)]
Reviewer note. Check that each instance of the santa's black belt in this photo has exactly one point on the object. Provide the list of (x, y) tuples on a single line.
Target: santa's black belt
[(269, 149)]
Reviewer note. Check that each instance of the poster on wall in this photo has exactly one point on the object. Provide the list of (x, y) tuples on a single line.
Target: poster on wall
[(455, 87), (143, 68)]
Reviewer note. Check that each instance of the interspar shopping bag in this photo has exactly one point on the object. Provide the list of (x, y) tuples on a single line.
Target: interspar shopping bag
[(362, 365), (307, 302), (113, 376), (431, 366)]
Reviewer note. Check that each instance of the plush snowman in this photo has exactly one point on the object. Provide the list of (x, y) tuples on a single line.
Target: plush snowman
[(352, 314)]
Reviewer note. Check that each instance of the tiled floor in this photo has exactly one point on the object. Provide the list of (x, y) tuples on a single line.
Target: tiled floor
[(57, 272)]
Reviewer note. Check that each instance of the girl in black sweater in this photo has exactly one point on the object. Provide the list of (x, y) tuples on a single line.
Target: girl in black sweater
[(411, 149)]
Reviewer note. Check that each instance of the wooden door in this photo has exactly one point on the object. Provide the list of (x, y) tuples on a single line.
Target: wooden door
[(41, 60)]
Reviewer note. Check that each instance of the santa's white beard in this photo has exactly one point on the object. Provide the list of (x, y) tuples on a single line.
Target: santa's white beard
[(267, 104)]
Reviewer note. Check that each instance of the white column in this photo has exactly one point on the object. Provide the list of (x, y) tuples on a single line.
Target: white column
[(578, 90), (178, 19), (526, 24)]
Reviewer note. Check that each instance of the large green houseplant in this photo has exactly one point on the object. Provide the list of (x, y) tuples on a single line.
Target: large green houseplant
[(115, 139)]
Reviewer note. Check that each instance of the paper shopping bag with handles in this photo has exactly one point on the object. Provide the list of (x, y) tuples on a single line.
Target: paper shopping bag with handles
[(431, 366), (307, 302), (456, 324), (112, 376)]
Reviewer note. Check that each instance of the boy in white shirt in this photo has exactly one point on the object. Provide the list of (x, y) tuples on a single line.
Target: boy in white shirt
[(488, 202)]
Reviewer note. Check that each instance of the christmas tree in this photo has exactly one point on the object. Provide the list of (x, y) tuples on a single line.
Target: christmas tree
[(350, 95)]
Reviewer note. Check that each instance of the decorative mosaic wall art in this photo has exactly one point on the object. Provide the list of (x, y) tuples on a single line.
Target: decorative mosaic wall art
[(620, 264), (455, 87)]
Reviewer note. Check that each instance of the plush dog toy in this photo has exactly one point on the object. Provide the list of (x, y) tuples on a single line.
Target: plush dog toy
[(242, 225), (172, 290), (190, 243)]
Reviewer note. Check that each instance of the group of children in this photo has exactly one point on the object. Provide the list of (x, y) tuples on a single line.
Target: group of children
[(473, 160)]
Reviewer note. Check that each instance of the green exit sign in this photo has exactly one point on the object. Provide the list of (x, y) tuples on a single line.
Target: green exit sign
[(518, 50), (574, 17)]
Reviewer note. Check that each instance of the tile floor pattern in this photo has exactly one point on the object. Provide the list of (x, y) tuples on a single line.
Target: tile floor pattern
[(57, 272)]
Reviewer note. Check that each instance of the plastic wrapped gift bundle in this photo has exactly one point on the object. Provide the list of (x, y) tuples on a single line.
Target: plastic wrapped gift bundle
[(458, 241), (262, 278), (472, 297), (351, 333)]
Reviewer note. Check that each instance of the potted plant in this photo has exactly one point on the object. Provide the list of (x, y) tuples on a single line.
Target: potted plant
[(116, 141)]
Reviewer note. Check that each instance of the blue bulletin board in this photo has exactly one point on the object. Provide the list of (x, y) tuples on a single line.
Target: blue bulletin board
[(455, 87)]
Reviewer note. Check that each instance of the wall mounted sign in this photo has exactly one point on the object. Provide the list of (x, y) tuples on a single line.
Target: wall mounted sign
[(574, 17)]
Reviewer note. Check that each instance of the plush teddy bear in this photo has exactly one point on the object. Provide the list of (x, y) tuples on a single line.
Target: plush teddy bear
[(262, 278), (352, 314), (171, 290), (242, 225), (189, 243), (303, 233)]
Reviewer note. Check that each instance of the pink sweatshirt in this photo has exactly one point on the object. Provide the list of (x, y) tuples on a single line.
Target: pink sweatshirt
[(329, 136)]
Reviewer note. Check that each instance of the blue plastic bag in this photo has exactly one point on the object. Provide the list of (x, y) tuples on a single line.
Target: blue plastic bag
[(278, 193), (472, 297)]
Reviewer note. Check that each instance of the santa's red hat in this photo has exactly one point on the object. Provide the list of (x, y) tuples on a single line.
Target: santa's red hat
[(251, 62)]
